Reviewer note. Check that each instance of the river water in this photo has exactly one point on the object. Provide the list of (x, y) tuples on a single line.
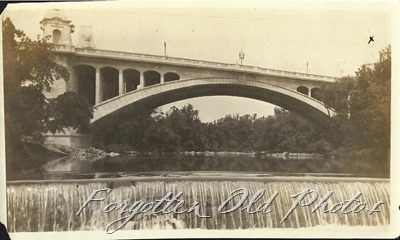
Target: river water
[(49, 199)]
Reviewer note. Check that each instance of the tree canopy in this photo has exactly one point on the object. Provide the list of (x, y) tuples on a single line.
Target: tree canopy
[(30, 68), (362, 103), (29, 62), (181, 130)]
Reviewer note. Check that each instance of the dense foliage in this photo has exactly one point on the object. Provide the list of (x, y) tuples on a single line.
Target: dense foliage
[(362, 104), (182, 130), (69, 110), (30, 70)]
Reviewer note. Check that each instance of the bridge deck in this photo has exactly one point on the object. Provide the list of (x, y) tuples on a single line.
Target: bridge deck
[(191, 62)]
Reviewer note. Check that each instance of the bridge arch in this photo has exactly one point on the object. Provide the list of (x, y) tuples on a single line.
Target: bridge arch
[(303, 90), (85, 81), (151, 77), (171, 76), (316, 93), (109, 82), (131, 79), (110, 112)]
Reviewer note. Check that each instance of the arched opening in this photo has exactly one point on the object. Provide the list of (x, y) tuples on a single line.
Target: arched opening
[(316, 93), (151, 78), (86, 79), (56, 36), (170, 76), (295, 102), (109, 80), (131, 79), (303, 90)]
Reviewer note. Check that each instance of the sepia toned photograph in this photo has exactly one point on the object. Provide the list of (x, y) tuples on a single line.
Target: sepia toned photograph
[(138, 120)]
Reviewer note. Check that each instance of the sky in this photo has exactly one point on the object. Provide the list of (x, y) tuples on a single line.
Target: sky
[(331, 37)]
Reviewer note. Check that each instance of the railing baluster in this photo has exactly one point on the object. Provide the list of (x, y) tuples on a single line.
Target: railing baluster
[(195, 62)]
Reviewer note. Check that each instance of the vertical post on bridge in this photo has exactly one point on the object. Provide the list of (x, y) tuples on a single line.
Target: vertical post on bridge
[(121, 89), (98, 87), (165, 49), (241, 56), (161, 79), (141, 80)]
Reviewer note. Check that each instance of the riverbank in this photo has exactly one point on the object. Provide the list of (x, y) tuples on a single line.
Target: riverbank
[(125, 149), (284, 155), (30, 156), (372, 162), (80, 153)]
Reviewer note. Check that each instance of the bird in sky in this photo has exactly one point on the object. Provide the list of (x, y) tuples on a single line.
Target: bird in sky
[(371, 39)]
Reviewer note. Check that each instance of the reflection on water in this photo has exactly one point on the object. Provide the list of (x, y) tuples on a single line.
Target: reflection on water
[(68, 168)]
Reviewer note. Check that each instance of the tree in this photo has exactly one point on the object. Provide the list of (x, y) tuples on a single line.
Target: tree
[(336, 96), (69, 110), (24, 114), (362, 104), (29, 70), (370, 104), (29, 62)]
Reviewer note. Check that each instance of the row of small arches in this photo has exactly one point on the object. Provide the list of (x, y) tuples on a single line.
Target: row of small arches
[(112, 83), (314, 92), (109, 79)]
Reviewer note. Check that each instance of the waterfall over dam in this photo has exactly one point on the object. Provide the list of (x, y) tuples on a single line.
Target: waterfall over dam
[(53, 206)]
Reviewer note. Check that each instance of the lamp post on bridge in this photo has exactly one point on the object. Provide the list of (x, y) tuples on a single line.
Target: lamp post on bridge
[(241, 56), (165, 49)]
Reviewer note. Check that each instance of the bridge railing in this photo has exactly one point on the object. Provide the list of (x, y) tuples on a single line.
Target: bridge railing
[(167, 59)]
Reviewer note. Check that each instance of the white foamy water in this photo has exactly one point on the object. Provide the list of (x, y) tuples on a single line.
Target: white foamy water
[(53, 206)]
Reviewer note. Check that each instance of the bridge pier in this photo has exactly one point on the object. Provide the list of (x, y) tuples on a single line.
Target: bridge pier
[(69, 138)]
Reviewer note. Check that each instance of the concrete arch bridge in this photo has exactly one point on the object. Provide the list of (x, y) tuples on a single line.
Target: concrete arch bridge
[(119, 82)]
